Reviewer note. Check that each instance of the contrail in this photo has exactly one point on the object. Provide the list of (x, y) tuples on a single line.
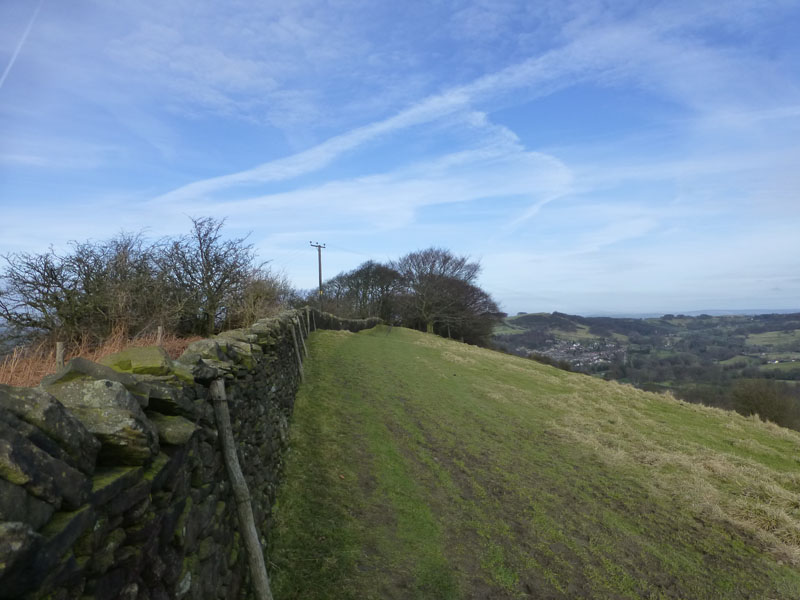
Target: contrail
[(20, 44)]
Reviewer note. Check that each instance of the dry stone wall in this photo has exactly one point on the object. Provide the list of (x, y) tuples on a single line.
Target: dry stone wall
[(112, 481)]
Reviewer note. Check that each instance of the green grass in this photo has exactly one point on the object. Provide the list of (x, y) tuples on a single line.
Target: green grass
[(506, 328), (424, 468), (781, 366), (741, 359), (774, 338), (581, 334)]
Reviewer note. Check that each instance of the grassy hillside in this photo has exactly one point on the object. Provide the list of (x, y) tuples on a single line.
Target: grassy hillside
[(424, 468)]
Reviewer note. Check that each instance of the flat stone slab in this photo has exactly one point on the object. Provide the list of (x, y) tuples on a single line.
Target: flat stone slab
[(147, 360), (84, 369)]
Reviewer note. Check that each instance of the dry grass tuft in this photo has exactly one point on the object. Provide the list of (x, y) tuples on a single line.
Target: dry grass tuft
[(733, 483), (26, 365), (451, 357)]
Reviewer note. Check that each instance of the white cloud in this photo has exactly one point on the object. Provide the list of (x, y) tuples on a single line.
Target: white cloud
[(55, 153), (699, 77), (411, 125), (19, 45), (390, 201)]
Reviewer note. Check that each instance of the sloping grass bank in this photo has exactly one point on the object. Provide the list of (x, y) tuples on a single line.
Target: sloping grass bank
[(424, 468)]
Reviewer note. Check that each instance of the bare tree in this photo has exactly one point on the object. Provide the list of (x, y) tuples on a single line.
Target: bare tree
[(124, 289), (88, 292), (263, 294), (126, 286), (209, 269), (39, 292)]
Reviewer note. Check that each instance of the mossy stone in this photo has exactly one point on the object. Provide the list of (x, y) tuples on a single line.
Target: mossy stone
[(146, 360), (206, 548), (108, 482), (114, 416), (173, 430)]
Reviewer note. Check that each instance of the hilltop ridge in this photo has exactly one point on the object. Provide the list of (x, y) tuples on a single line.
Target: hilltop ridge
[(422, 467)]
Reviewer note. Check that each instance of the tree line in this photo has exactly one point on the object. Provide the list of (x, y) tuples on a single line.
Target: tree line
[(201, 282), (431, 290), (195, 283)]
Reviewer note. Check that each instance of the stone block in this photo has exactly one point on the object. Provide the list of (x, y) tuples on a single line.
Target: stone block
[(173, 562), (129, 592), (201, 369), (206, 548), (148, 360), (59, 536), (43, 476), (136, 513), (108, 482), (18, 546), (109, 411), (18, 505), (155, 572), (159, 593), (172, 430), (79, 369), (165, 466), (41, 410), (109, 586), (202, 349), (35, 435), (169, 524), (240, 349), (170, 400), (129, 558), (144, 530), (103, 558), (129, 497)]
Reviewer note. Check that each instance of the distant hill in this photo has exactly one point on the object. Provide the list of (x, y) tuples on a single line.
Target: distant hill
[(426, 468), (714, 312), (699, 358)]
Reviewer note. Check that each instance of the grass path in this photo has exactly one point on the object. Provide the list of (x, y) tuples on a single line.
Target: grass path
[(423, 468)]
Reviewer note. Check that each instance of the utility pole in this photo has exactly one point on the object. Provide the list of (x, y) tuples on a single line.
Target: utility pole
[(319, 248)]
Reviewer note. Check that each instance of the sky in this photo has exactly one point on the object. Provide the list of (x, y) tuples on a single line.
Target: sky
[(594, 156)]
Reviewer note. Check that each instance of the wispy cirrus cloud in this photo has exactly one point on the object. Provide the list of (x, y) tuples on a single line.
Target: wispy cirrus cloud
[(585, 139), (650, 55), (19, 45)]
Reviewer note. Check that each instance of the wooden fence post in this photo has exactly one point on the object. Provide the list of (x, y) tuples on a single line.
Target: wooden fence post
[(302, 336), (247, 525), (59, 355), (159, 335), (297, 352)]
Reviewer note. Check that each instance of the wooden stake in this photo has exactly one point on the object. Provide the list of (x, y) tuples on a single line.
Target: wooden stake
[(247, 524), (59, 355), (297, 352), (159, 335), (302, 336)]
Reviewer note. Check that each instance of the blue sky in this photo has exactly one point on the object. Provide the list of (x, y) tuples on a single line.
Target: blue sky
[(594, 156)]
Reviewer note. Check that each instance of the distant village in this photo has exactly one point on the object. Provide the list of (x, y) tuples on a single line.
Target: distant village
[(588, 355)]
